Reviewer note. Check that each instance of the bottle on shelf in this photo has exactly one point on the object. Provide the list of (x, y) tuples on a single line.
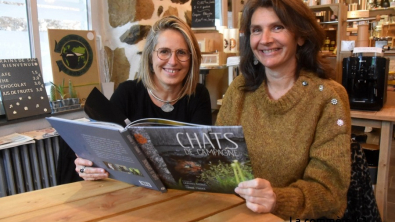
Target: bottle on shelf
[(332, 46), (372, 4), (327, 42), (378, 3), (320, 16), (385, 3)]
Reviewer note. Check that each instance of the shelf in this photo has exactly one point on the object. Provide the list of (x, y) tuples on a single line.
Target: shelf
[(372, 13), (330, 29), (335, 30), (385, 11), (352, 29), (327, 54), (35, 122), (329, 23), (208, 67), (317, 8)]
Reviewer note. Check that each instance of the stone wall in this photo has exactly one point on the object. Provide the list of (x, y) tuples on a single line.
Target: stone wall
[(126, 24)]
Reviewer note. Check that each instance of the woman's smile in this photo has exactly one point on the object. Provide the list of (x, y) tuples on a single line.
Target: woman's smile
[(170, 71), (272, 43)]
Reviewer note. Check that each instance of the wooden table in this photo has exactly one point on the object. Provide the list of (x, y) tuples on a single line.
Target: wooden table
[(382, 119), (110, 200)]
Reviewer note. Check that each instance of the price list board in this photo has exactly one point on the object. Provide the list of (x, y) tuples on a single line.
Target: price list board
[(203, 14), (22, 88)]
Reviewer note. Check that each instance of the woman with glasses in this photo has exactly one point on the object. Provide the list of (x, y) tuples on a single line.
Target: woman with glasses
[(166, 85)]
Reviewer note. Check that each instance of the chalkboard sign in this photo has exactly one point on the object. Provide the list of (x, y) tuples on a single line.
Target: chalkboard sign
[(203, 14), (22, 88)]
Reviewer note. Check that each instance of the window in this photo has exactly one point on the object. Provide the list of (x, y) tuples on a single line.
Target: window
[(14, 38), (24, 25)]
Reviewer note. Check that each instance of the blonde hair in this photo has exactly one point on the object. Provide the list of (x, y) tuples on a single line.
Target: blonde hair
[(146, 71)]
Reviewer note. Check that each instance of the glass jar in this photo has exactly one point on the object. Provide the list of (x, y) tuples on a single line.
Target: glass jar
[(327, 41), (377, 31)]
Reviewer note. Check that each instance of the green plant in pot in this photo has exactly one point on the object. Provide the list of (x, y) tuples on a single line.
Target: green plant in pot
[(61, 91), (55, 104), (73, 94), (52, 93)]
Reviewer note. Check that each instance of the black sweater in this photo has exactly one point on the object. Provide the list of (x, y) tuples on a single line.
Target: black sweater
[(133, 99)]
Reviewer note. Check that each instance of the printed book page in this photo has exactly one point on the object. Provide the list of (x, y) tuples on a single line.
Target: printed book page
[(100, 109), (159, 121), (14, 139)]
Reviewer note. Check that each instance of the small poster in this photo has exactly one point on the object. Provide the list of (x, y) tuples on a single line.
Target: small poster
[(73, 57), (22, 88)]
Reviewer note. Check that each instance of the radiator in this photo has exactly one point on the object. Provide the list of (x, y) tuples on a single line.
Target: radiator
[(28, 167)]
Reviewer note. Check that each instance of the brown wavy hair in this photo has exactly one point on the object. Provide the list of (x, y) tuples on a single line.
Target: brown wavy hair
[(298, 19)]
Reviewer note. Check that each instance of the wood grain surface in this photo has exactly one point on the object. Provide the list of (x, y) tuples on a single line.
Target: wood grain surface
[(110, 200)]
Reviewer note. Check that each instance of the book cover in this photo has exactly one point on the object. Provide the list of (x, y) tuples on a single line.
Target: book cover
[(199, 158), (111, 147)]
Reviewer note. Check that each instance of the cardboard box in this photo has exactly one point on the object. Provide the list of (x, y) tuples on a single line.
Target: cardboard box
[(215, 59)]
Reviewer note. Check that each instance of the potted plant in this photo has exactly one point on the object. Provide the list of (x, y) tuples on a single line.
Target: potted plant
[(73, 95), (61, 91), (55, 104)]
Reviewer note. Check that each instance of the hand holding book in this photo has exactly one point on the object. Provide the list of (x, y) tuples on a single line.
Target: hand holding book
[(201, 158), (89, 173), (156, 153)]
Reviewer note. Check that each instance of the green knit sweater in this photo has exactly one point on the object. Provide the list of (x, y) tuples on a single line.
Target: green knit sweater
[(299, 143)]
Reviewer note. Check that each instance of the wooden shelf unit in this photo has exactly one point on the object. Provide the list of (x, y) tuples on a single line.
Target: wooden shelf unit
[(336, 29)]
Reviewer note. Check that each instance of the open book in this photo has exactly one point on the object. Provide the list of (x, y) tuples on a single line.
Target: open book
[(158, 153), (161, 154)]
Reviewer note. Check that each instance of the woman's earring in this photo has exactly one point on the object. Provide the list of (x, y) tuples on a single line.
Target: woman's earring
[(255, 61)]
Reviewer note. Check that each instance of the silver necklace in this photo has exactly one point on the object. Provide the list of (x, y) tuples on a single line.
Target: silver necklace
[(167, 107)]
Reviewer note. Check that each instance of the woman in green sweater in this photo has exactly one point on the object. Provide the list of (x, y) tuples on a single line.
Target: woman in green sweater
[(295, 119)]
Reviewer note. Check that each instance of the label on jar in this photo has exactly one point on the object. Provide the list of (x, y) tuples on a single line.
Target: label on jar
[(327, 41)]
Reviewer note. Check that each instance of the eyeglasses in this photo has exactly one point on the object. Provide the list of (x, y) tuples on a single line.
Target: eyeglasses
[(181, 54)]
